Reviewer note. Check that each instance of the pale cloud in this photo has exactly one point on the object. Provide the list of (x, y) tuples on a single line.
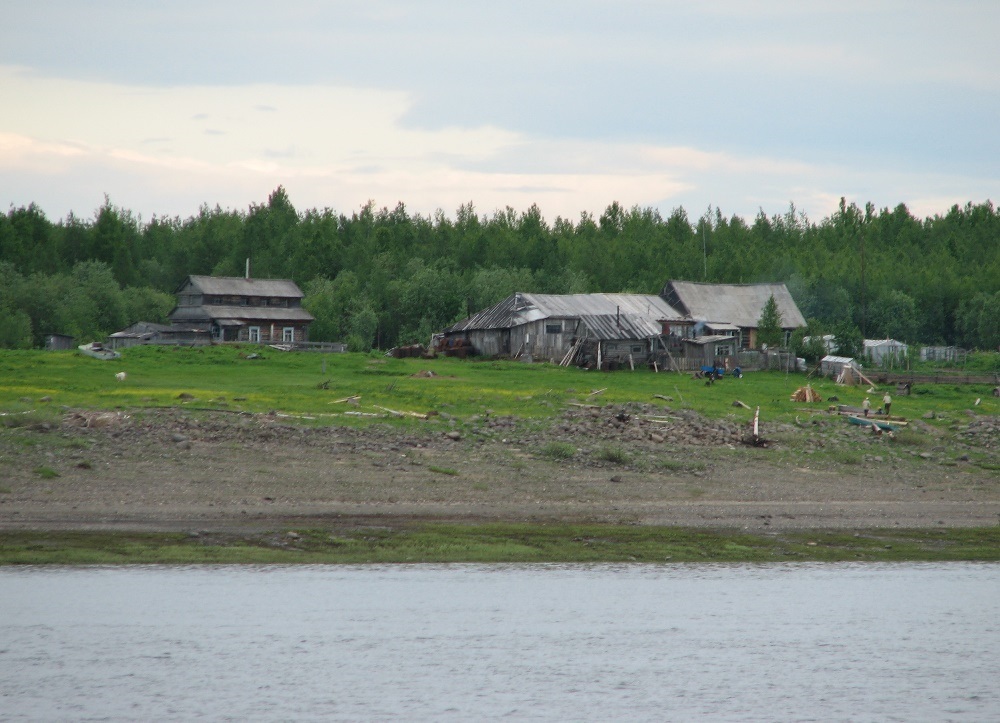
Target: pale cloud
[(168, 150)]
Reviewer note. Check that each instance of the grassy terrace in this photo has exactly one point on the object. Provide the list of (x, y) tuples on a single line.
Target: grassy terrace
[(308, 385)]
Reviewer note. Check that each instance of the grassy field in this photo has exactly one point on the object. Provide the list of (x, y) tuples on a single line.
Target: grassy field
[(500, 543), (310, 385)]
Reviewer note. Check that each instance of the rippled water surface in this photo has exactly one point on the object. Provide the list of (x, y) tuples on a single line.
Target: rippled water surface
[(464, 642)]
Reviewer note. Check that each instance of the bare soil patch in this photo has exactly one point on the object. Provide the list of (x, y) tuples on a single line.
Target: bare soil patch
[(174, 469)]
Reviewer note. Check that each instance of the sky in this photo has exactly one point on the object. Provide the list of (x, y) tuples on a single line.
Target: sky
[(736, 105)]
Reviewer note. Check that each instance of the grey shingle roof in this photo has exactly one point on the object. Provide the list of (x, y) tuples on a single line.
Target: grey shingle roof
[(240, 286), (739, 304)]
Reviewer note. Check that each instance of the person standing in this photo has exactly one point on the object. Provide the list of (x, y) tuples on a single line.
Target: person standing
[(866, 406), (887, 402)]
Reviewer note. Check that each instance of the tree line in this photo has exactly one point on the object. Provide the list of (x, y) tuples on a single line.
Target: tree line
[(379, 277)]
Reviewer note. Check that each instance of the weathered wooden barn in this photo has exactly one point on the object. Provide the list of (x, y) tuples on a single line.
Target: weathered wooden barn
[(258, 311), (146, 332), (604, 330), (724, 308)]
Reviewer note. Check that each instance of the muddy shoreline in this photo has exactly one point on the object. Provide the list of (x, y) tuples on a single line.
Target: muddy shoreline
[(173, 470)]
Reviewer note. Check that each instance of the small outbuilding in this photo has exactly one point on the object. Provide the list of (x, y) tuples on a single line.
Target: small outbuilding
[(146, 332), (59, 342), (835, 366), (885, 352)]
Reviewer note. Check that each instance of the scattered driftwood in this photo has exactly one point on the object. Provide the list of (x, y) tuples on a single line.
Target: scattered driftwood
[(806, 394), (660, 396), (396, 413), (584, 406), (738, 403), (354, 399), (754, 439)]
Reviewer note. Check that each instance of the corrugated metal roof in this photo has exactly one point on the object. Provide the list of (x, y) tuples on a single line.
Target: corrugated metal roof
[(887, 343), (642, 312), (624, 326), (739, 304), (240, 286)]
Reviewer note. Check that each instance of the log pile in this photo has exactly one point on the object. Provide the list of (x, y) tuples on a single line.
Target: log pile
[(806, 394)]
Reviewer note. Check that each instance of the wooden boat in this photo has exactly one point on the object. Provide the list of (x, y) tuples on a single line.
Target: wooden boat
[(96, 349), (880, 423)]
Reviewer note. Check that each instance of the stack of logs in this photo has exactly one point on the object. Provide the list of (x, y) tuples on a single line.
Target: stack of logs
[(806, 394)]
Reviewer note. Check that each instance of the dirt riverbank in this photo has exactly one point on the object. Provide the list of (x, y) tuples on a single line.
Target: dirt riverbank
[(184, 470)]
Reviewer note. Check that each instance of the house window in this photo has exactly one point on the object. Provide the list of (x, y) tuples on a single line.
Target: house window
[(553, 327), (636, 349), (288, 334), (254, 332), (723, 350)]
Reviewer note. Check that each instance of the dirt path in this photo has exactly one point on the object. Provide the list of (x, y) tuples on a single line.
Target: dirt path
[(184, 471)]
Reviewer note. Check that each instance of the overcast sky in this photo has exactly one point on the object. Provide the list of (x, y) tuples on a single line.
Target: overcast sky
[(569, 104)]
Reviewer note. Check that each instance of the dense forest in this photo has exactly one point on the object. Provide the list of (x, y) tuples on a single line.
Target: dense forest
[(381, 277)]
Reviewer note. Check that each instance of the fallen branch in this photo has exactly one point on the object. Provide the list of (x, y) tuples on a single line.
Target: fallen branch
[(599, 391), (347, 400), (395, 413), (660, 396)]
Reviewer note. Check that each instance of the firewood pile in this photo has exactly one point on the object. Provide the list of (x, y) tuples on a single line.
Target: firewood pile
[(806, 394)]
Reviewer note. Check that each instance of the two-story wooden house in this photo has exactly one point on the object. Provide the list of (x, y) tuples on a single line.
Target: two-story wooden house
[(257, 311)]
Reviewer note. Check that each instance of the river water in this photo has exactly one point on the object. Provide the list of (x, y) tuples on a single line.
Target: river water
[(821, 642)]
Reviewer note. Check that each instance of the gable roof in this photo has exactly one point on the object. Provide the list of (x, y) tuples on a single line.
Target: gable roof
[(739, 304), (606, 316), (241, 286)]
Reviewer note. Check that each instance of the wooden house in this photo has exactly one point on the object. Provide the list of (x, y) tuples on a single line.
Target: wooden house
[(604, 330), (257, 311), (731, 309)]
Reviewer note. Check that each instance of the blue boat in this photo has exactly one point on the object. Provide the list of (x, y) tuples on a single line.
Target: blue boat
[(870, 421)]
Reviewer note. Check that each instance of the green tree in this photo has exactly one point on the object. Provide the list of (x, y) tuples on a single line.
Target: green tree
[(989, 323), (769, 329), (807, 342), (850, 342)]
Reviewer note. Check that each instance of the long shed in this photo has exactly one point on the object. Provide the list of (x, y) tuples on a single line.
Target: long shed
[(603, 329)]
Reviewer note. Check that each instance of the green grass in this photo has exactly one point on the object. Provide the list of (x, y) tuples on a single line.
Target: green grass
[(613, 454), (559, 451), (293, 383), (443, 470), (501, 543)]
